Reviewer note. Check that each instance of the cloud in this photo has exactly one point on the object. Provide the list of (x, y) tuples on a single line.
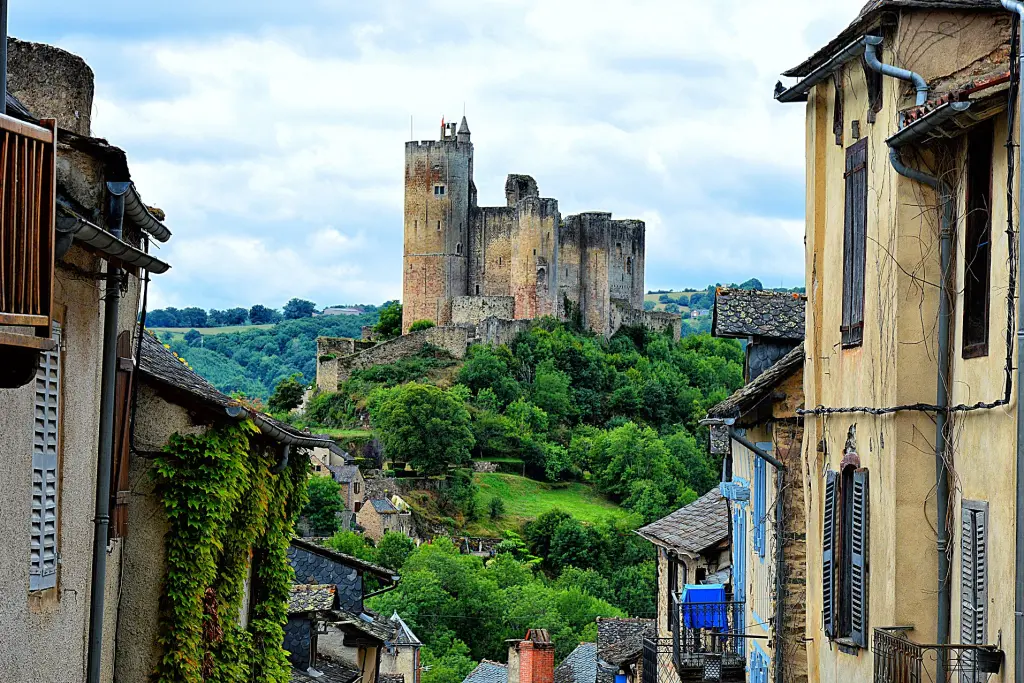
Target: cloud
[(274, 137)]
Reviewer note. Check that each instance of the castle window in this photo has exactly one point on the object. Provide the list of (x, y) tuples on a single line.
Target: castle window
[(499, 260), (439, 225), (629, 266), (478, 290), (415, 225), (534, 252), (458, 248), (978, 251), (439, 190), (618, 248)]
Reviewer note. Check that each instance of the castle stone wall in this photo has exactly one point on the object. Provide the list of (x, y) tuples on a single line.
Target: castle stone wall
[(625, 248), (470, 310), (494, 228), (497, 331), (623, 314), (534, 256), (595, 291), (454, 340)]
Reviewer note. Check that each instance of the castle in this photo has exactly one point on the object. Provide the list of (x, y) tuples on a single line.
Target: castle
[(466, 263)]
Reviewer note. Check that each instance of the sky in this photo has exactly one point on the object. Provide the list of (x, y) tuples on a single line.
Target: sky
[(272, 133)]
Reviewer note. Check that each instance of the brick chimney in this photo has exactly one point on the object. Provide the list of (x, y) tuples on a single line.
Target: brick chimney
[(532, 659)]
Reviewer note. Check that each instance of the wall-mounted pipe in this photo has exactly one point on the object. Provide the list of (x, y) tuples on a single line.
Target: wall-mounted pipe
[(871, 57), (798, 93), (1018, 631)]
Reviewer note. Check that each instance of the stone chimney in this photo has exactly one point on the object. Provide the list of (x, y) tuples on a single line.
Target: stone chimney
[(532, 659), (52, 83)]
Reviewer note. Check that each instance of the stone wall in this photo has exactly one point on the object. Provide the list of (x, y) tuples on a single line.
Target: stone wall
[(470, 310), (497, 332), (622, 314), (52, 83), (788, 441), (491, 250), (534, 257), (454, 340)]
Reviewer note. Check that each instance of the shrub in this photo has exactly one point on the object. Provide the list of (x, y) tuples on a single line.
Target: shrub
[(496, 507), (421, 325)]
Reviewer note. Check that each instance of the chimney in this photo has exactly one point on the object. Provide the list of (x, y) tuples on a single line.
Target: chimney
[(532, 659)]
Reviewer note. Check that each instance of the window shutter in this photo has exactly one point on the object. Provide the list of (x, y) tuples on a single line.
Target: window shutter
[(859, 560), (119, 487), (973, 582), (855, 243), (759, 505), (45, 454), (828, 544)]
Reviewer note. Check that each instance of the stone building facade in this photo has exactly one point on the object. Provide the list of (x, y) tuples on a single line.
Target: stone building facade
[(464, 263)]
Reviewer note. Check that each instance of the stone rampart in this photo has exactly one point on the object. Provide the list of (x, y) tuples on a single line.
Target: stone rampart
[(454, 340), (471, 310)]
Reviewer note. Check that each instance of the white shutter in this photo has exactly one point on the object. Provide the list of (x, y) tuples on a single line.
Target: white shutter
[(973, 583), (43, 562)]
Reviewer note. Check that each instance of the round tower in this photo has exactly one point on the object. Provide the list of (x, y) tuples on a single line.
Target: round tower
[(438, 178)]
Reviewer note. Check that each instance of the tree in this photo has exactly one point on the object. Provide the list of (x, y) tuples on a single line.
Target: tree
[(192, 317), (752, 283), (394, 549), (649, 305), (167, 317), (538, 533), (389, 324), (496, 507), (353, 544), (421, 325), (235, 316), (299, 308), (422, 425), (551, 391), (287, 394), (671, 308), (261, 315), (323, 506), (193, 338)]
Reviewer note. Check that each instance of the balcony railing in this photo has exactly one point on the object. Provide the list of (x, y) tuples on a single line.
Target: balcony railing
[(900, 660), (708, 637), (27, 210)]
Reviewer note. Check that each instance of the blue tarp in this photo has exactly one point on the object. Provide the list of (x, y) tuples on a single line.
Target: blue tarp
[(704, 607)]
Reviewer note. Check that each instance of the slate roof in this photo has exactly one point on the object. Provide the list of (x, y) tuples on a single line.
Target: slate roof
[(619, 640), (333, 672), (404, 634), (869, 17), (580, 666), (751, 313), (368, 623), (488, 672), (692, 529), (349, 560), (162, 366), (383, 506), (750, 395), (391, 678), (311, 598), (344, 473)]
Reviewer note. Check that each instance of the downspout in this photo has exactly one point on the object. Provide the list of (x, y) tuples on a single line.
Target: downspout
[(1018, 605), (112, 302), (944, 608)]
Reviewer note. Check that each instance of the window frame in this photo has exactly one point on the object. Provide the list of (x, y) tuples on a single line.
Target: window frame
[(979, 232), (845, 554)]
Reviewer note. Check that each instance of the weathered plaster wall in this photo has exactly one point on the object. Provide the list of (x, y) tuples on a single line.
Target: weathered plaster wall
[(470, 310), (52, 83), (401, 660)]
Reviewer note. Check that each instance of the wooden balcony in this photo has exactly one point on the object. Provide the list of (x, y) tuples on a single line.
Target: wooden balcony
[(28, 191)]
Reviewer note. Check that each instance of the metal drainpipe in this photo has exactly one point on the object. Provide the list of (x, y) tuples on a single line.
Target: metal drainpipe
[(112, 302), (1018, 609), (871, 44)]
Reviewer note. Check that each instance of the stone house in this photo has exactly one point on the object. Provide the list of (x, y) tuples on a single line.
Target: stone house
[(378, 516), (771, 324), (353, 486), (336, 629), (617, 652), (911, 459), (68, 304), (401, 655)]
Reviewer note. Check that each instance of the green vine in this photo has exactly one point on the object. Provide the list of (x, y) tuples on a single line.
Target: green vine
[(227, 511)]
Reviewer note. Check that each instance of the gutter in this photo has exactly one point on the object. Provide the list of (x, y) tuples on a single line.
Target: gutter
[(75, 227), (1018, 604), (798, 93), (267, 428), (911, 134), (140, 215)]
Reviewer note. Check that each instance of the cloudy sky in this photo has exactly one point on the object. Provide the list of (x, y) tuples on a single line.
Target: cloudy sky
[(272, 132)]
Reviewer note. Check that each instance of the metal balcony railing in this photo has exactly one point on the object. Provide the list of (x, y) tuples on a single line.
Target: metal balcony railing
[(709, 637), (900, 660), (28, 191)]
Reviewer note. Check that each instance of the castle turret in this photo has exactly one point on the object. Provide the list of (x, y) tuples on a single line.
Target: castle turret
[(438, 178), (463, 134)]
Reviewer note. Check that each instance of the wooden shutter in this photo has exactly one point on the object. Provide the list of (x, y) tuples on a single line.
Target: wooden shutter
[(859, 560), (119, 487), (828, 554), (759, 505), (973, 583), (855, 243), (45, 475)]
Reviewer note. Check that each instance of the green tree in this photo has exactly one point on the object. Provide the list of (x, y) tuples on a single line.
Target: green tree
[(394, 549), (451, 665), (261, 315), (649, 305), (323, 506), (299, 308), (389, 325), (539, 532), (418, 325), (287, 394), (353, 544), (236, 316), (551, 391), (194, 338), (422, 425), (496, 507), (578, 545)]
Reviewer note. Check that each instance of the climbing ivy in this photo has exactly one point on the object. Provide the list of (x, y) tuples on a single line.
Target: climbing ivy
[(227, 511)]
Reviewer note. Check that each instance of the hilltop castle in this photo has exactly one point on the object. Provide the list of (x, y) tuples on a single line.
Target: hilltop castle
[(465, 263)]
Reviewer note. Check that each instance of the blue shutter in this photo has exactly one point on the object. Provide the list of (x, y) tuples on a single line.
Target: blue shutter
[(859, 553), (828, 542), (43, 534), (759, 505), (739, 579)]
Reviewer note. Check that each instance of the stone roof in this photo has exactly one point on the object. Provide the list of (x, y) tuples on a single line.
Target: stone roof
[(619, 640), (391, 678), (344, 473), (368, 623), (692, 529), (333, 672), (869, 17), (404, 634), (580, 666), (383, 506), (348, 560), (310, 598), (744, 313), (488, 672), (750, 395), (163, 367)]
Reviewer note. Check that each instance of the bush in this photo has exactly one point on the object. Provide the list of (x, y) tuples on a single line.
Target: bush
[(421, 325), (496, 507), (389, 324), (323, 506), (287, 394)]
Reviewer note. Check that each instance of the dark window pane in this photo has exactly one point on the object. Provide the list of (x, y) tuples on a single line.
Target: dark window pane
[(978, 241)]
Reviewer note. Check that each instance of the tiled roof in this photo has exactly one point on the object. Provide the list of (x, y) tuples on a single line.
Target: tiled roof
[(868, 17), (488, 672), (404, 634), (344, 473), (383, 506), (333, 672), (368, 623), (580, 666), (391, 678), (750, 395), (752, 313), (162, 366), (310, 598), (619, 640), (702, 524), (342, 558)]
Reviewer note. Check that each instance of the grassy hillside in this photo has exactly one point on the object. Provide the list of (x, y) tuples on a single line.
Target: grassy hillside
[(526, 499), (179, 332)]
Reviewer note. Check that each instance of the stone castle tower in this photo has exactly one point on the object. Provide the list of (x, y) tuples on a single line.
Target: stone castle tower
[(465, 263)]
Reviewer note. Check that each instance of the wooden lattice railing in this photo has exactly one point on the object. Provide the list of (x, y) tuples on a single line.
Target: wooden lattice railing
[(28, 191)]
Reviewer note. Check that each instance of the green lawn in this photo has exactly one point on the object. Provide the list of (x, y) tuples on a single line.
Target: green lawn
[(176, 331), (675, 295), (342, 433), (526, 499)]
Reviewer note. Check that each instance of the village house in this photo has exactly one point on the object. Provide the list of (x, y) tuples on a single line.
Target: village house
[(353, 486), (616, 655), (382, 514), (400, 659), (911, 459)]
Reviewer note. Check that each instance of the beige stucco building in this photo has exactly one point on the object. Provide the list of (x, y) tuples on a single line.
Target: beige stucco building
[(874, 477)]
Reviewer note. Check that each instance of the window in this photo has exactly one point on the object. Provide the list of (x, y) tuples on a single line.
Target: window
[(673, 586), (760, 477), (478, 290), (439, 225), (845, 555), (855, 243), (439, 190), (978, 241), (355, 487), (458, 248), (45, 475), (973, 583), (629, 266), (415, 225), (357, 506)]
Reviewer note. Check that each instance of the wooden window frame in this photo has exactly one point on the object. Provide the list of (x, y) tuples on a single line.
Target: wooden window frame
[(978, 234)]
